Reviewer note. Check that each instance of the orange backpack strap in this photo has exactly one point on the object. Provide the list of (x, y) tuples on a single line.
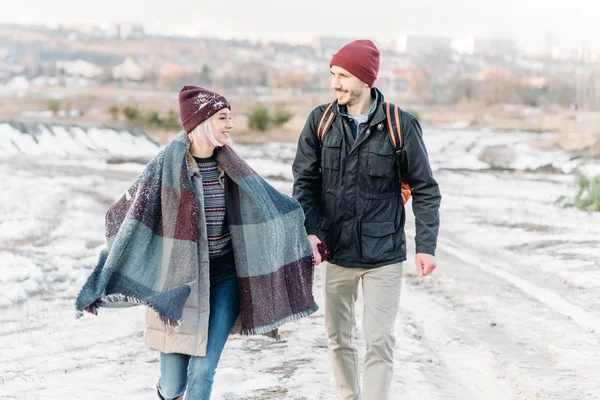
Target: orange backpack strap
[(325, 122), (395, 128), (394, 122)]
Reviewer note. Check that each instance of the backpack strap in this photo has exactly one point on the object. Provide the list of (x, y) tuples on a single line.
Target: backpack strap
[(394, 122), (395, 128), (327, 117)]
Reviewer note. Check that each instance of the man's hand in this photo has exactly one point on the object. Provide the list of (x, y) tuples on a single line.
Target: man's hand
[(425, 264), (314, 241)]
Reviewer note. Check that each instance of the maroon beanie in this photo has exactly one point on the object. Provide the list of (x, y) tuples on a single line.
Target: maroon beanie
[(360, 58), (197, 104)]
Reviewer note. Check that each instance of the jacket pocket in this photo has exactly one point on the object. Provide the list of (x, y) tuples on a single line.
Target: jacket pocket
[(331, 153), (381, 161), (324, 225), (377, 241)]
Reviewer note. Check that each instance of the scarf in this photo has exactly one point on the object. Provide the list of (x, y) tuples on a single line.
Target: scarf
[(152, 253)]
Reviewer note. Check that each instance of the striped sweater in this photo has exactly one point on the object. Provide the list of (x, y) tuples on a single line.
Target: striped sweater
[(219, 240)]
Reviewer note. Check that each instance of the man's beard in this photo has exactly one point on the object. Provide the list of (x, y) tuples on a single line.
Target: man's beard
[(349, 97)]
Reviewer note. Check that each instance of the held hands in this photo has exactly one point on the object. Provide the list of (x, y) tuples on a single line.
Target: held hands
[(320, 252), (425, 264)]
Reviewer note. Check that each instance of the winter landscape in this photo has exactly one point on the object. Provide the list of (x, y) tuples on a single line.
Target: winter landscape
[(512, 312)]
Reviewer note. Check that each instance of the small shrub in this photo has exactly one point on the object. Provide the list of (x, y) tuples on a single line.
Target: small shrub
[(538, 130), (114, 111), (172, 120), (54, 106), (132, 114), (281, 115), (259, 118), (154, 119), (588, 193)]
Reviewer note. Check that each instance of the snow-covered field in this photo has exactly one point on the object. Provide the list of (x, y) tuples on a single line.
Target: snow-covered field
[(512, 312)]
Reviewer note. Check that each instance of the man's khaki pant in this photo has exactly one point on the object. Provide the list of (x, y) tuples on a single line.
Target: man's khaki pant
[(381, 294)]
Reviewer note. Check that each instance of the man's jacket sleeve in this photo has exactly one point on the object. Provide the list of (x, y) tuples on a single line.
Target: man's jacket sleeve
[(426, 196), (307, 174)]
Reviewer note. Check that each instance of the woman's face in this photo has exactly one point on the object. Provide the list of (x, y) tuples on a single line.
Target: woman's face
[(222, 125)]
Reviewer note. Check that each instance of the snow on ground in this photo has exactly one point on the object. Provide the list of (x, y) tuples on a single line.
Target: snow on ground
[(512, 312), (72, 141)]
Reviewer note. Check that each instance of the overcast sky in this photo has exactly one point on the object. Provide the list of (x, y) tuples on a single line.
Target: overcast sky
[(570, 22)]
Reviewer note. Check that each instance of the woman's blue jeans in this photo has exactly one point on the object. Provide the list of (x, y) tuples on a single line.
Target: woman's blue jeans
[(180, 372)]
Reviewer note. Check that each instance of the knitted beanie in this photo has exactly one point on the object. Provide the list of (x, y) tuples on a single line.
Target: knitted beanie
[(197, 104), (360, 58)]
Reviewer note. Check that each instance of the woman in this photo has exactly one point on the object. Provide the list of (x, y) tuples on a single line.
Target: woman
[(203, 241)]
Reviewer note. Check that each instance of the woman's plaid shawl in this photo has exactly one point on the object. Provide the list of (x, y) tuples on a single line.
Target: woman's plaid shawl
[(152, 255)]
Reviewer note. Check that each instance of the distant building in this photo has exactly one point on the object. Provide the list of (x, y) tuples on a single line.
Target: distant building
[(127, 30), (168, 75), (416, 45), (465, 46), (128, 70), (326, 46), (170, 68), (495, 47), (386, 45), (18, 83), (552, 48), (401, 43), (90, 30), (392, 82), (79, 68), (537, 82), (494, 73)]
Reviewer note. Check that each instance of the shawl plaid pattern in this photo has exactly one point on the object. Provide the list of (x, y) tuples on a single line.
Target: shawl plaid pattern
[(152, 255)]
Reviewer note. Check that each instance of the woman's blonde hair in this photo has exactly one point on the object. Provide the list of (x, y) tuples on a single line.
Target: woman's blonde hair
[(204, 132)]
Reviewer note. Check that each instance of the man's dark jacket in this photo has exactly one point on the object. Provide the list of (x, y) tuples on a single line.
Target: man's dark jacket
[(350, 190)]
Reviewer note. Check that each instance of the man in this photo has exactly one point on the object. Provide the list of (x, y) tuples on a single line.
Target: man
[(349, 187)]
